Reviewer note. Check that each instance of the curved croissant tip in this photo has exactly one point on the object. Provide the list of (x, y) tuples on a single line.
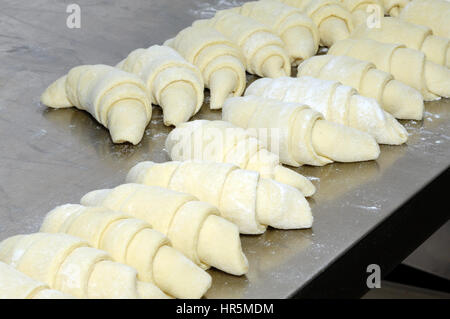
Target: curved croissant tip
[(146, 290), (273, 67), (178, 101), (415, 108), (300, 44), (222, 84), (127, 120), (170, 260), (396, 134), (299, 214), (332, 30), (343, 144), (403, 101), (95, 198), (285, 208), (437, 78), (55, 94), (46, 98), (135, 172), (287, 176), (309, 190), (7, 246), (372, 151), (212, 251), (57, 216)]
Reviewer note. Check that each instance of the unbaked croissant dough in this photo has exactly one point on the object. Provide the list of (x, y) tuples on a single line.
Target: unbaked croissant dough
[(394, 7), (131, 241), (393, 30), (193, 227), (172, 82), (219, 60), (302, 136), (263, 50), (220, 141), (431, 13), (363, 9), (407, 65), (397, 98), (242, 196), (295, 28), (336, 102), (117, 99), (67, 263), (16, 285), (334, 21)]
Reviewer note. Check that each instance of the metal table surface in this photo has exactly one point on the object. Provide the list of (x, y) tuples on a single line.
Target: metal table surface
[(51, 157)]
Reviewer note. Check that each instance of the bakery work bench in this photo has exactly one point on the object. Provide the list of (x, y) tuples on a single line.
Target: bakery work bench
[(366, 213)]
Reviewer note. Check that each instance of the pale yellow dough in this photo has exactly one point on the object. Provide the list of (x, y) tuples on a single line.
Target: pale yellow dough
[(406, 65), (393, 30), (263, 50), (193, 227), (220, 141), (116, 99), (242, 196), (218, 58), (295, 28), (304, 137), (131, 241), (334, 21), (172, 82), (431, 13), (363, 9), (16, 285), (394, 7), (67, 263), (336, 102), (395, 97)]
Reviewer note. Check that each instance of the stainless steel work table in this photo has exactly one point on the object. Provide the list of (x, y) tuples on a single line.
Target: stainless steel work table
[(49, 157)]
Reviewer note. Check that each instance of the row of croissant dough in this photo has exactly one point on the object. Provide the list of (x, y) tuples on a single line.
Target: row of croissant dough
[(155, 236), (369, 76)]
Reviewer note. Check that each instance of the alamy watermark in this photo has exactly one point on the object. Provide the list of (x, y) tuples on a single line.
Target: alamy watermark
[(74, 19), (374, 279), (375, 13)]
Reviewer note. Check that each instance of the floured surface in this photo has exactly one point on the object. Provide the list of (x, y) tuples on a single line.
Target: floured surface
[(51, 157)]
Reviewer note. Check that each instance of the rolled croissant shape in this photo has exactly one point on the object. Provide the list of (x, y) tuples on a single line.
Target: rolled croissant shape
[(431, 13), (302, 136), (131, 241), (263, 50), (242, 196), (395, 97), (406, 65), (172, 82), (394, 7), (193, 227), (334, 21), (295, 28), (16, 285), (219, 141), (67, 263), (219, 60), (336, 102), (363, 10), (393, 30), (116, 99)]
